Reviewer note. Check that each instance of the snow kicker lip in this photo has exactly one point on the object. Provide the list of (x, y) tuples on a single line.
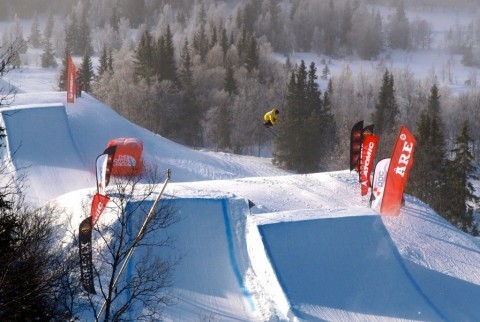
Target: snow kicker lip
[(346, 272), (39, 140)]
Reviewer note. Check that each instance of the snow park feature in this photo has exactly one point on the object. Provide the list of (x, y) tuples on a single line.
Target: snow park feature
[(304, 252)]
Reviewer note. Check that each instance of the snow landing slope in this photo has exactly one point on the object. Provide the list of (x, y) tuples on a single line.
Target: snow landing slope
[(44, 134), (310, 249)]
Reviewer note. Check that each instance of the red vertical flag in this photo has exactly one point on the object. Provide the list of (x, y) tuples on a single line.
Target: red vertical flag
[(369, 149), (71, 75), (99, 203), (397, 176)]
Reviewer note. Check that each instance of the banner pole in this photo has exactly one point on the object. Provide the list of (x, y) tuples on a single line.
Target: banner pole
[(136, 241)]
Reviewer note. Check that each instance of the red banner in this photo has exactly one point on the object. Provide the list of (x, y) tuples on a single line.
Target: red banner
[(397, 176), (369, 148), (71, 76), (98, 205)]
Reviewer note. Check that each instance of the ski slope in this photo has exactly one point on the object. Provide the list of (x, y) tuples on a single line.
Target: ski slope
[(72, 136), (309, 249)]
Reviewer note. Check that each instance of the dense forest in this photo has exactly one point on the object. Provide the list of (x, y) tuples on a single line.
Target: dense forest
[(203, 73)]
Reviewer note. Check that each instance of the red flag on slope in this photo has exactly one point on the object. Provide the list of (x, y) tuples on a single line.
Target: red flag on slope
[(397, 176), (369, 149), (99, 203), (71, 76)]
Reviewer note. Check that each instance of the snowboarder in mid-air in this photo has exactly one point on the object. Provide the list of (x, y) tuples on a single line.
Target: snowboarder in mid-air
[(271, 117)]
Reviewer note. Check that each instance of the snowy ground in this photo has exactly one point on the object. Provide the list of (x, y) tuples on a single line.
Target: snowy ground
[(310, 249)]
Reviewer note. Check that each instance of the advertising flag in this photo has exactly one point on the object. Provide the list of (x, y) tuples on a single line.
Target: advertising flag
[(356, 139), (397, 176), (369, 148), (378, 186), (99, 203), (367, 130), (85, 248), (71, 78), (104, 165)]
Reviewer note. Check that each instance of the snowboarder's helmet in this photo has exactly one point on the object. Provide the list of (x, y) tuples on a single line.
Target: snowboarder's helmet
[(276, 111)]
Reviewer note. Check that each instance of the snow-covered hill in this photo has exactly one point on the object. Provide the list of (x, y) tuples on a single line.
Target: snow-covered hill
[(310, 249)]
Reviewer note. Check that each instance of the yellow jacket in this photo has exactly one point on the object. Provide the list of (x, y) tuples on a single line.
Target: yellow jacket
[(271, 116)]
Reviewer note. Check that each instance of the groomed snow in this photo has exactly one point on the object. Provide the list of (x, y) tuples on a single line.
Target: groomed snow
[(309, 249)]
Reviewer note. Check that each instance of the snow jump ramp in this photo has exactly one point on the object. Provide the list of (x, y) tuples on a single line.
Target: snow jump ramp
[(344, 268), (39, 141)]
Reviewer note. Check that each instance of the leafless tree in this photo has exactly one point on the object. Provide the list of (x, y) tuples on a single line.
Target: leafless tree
[(114, 237), (8, 53)]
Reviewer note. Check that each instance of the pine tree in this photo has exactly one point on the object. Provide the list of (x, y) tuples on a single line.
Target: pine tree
[(461, 192), (35, 38), (346, 26), (386, 109), (230, 85), (103, 62), (110, 61), (428, 181), (48, 56), (71, 35), (242, 43), (166, 55), (186, 73), (283, 153), (251, 56), (62, 79), (306, 127), (274, 28), (200, 42), (47, 33), (213, 37), (114, 20), (86, 73), (399, 33), (224, 42), (143, 58), (190, 110), (84, 41)]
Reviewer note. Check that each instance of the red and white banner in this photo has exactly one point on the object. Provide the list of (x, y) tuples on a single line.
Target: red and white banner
[(369, 148), (104, 165), (99, 203), (71, 77), (378, 187), (400, 164)]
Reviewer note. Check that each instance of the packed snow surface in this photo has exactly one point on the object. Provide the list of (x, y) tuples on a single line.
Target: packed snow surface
[(257, 243)]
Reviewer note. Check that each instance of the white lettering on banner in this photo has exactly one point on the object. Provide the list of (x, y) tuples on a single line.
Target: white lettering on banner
[(404, 159), (368, 158), (378, 189), (99, 209), (124, 161)]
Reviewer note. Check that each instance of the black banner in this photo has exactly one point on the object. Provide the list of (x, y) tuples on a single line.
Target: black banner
[(368, 130), (85, 248), (356, 138)]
